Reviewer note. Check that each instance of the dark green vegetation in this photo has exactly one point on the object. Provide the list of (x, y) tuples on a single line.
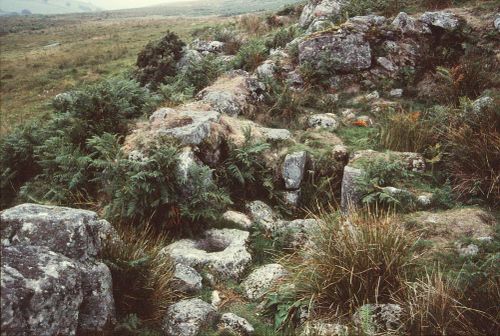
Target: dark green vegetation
[(76, 157)]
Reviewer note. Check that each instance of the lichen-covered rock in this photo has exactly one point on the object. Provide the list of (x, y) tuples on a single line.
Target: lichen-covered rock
[(297, 233), (97, 312), (319, 328), (396, 93), (383, 317), (408, 25), (220, 252), (293, 169), (41, 292), (344, 52), (496, 23), (189, 126), (324, 120), (275, 134), (350, 192), (321, 10), (189, 318), (447, 226), (445, 20), (207, 46), (262, 215), (239, 219), (292, 197), (235, 324), (233, 94), (187, 279), (260, 281), (64, 233), (266, 70), (72, 232), (481, 104)]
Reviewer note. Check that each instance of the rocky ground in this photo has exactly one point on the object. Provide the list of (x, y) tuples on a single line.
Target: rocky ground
[(54, 281)]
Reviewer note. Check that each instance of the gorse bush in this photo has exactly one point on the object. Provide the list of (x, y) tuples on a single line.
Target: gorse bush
[(159, 59), (351, 262)]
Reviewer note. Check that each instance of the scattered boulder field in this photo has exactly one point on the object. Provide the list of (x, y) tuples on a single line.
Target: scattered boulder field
[(53, 279)]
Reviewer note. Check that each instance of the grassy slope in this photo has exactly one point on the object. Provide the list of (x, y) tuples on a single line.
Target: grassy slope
[(32, 73)]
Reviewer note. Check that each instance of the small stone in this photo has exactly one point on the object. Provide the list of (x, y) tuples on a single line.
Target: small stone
[(189, 318), (396, 93), (239, 219), (260, 281), (262, 215), (468, 251), (293, 169), (235, 324), (319, 328), (187, 279), (325, 120), (266, 70), (386, 64), (481, 104), (292, 197), (408, 25), (216, 300), (384, 317), (350, 193)]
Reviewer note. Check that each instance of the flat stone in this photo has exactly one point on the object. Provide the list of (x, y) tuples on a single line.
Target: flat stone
[(235, 324), (447, 21), (239, 219), (187, 279), (222, 252)]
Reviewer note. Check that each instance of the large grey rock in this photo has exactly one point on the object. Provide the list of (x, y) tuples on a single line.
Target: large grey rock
[(235, 324), (445, 20), (342, 52), (187, 279), (350, 192), (321, 10), (190, 56), (189, 318), (97, 311), (262, 215), (260, 281), (72, 232), (408, 25), (224, 102), (293, 169), (190, 127), (41, 292), (222, 252)]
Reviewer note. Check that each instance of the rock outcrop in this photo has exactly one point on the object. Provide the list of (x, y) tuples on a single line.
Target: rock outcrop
[(260, 281), (52, 282)]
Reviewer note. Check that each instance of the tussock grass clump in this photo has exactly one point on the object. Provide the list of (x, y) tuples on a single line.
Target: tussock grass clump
[(142, 275), (352, 261), (435, 305)]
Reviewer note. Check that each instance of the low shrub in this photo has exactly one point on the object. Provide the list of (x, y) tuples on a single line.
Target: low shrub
[(251, 55), (364, 7), (353, 261), (159, 59), (196, 75), (244, 172), (17, 159), (281, 37), (253, 24), (148, 188)]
